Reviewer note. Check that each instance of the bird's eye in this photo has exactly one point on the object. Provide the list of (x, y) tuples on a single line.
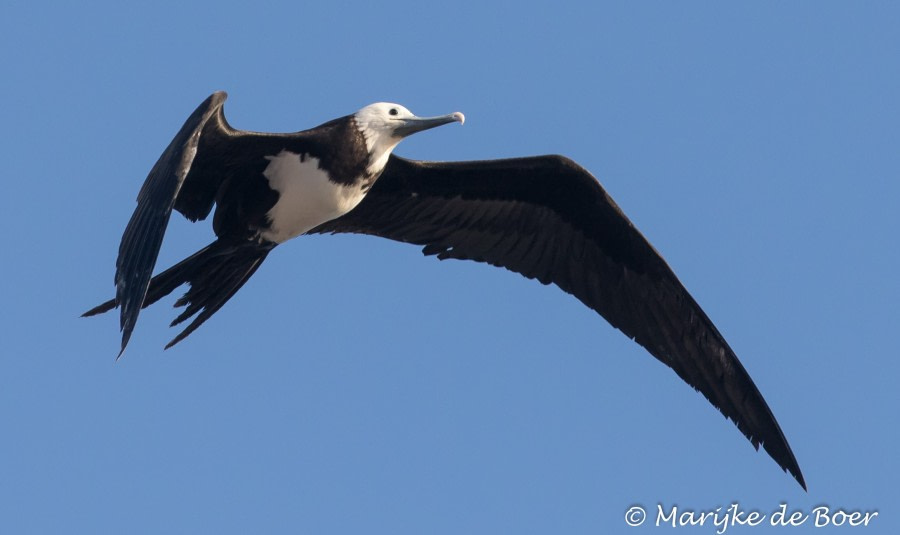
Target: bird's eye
[(393, 111)]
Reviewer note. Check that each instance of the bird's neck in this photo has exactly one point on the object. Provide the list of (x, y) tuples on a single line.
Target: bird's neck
[(378, 159), (378, 146)]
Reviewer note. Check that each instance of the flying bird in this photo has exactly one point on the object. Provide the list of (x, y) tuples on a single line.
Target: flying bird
[(544, 217)]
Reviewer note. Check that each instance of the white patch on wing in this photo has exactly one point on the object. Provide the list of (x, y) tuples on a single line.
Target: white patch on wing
[(306, 197)]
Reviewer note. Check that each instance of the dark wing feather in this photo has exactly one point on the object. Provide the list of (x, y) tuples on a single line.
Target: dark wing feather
[(166, 186), (549, 219)]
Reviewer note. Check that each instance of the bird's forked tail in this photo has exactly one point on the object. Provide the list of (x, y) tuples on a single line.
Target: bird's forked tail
[(214, 273)]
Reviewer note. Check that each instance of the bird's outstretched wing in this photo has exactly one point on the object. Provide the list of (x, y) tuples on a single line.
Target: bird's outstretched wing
[(548, 219), (165, 187)]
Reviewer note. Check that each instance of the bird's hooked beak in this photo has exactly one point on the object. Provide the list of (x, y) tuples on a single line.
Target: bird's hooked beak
[(412, 125)]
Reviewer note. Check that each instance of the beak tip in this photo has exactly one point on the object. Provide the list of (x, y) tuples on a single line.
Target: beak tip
[(458, 116)]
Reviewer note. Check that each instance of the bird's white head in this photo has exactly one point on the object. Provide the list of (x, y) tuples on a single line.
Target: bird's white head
[(384, 125)]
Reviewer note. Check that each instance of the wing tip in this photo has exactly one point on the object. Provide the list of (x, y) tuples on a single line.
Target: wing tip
[(218, 97), (791, 466), (778, 450)]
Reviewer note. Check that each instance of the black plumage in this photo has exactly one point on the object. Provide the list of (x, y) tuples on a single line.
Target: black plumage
[(544, 217)]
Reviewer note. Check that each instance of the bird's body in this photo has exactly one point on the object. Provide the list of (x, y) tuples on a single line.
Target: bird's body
[(306, 196), (544, 217)]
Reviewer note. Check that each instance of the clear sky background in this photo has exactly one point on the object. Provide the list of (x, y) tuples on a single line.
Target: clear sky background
[(356, 386)]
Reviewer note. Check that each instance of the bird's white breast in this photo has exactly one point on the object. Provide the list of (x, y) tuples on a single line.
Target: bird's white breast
[(306, 197)]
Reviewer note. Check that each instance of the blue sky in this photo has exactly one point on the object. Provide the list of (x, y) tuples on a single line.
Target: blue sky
[(355, 386)]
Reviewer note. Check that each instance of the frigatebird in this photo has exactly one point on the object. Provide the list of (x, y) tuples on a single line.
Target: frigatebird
[(544, 217)]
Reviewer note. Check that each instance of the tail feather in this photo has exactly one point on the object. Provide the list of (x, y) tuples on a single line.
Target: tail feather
[(214, 273), (161, 285), (106, 306), (224, 283)]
